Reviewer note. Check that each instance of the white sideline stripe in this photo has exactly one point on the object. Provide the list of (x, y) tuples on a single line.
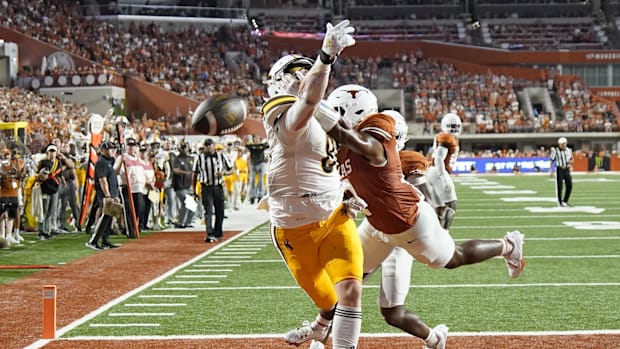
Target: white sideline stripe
[(199, 276), (207, 270), (367, 335), (141, 314), (167, 296), (193, 282), (124, 325), (258, 288), (155, 305)]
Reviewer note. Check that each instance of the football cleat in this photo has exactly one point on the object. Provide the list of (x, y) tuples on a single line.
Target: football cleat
[(441, 331), (514, 259), (305, 333)]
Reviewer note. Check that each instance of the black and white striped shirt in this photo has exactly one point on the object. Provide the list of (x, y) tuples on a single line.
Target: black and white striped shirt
[(208, 165), (562, 157)]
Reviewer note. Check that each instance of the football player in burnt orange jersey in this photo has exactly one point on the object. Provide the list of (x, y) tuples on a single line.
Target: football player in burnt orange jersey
[(445, 154), (398, 217)]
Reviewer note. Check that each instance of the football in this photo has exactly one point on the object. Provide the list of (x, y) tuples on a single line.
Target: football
[(219, 115)]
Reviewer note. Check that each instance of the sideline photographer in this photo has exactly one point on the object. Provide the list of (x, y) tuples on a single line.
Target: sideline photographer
[(49, 177)]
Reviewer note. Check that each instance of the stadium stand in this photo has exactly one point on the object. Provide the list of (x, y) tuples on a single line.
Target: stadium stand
[(195, 62)]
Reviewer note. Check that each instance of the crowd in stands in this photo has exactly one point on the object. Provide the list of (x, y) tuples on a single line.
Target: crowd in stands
[(191, 62)]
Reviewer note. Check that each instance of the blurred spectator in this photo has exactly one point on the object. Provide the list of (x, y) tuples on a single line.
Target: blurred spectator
[(258, 166)]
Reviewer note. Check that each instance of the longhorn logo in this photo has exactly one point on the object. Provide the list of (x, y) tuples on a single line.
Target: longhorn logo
[(353, 92)]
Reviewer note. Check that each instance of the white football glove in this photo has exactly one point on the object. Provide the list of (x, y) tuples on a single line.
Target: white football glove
[(337, 38), (355, 205)]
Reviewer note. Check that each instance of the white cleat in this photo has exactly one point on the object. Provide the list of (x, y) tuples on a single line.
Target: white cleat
[(514, 259), (18, 237), (442, 335), (305, 333)]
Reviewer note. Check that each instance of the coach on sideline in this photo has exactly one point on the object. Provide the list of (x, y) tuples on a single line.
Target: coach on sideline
[(563, 158)]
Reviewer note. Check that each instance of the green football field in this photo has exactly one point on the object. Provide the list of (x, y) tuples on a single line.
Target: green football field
[(571, 281)]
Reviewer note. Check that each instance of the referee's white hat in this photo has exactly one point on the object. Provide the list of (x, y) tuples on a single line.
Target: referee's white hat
[(562, 140)]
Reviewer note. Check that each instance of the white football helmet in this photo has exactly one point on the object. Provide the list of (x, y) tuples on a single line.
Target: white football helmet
[(451, 123), (400, 127), (353, 102), (286, 73)]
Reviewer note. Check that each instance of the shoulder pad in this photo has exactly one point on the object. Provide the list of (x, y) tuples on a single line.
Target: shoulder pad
[(275, 106), (446, 139), (413, 162), (379, 125)]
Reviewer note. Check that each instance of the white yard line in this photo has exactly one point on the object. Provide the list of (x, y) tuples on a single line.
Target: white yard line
[(155, 305), (168, 296), (539, 216), (141, 314)]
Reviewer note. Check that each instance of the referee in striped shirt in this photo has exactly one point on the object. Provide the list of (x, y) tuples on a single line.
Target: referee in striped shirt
[(563, 158), (209, 169)]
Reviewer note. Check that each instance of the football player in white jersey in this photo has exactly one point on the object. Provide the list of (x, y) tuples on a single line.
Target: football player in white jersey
[(445, 154), (316, 238)]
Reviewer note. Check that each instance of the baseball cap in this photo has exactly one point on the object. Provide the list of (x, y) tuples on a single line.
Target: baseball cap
[(562, 140), (108, 145), (209, 141), (51, 147), (131, 141)]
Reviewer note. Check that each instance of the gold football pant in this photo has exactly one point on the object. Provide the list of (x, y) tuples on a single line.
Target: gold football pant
[(319, 255)]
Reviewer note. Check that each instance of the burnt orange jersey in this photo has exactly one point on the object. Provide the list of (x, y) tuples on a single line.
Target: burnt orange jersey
[(413, 162), (9, 178), (391, 200), (449, 142)]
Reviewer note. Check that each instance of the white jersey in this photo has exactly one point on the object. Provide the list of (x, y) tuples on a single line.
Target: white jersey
[(303, 180)]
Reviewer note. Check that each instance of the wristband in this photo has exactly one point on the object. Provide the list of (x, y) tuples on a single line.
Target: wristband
[(325, 58)]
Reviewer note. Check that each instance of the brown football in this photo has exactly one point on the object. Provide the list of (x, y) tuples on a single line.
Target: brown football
[(219, 115)]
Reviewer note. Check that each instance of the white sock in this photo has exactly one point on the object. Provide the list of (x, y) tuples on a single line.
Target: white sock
[(347, 326), (320, 322), (432, 339), (507, 247)]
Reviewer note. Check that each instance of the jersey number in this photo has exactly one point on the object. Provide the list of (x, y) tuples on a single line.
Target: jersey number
[(331, 149)]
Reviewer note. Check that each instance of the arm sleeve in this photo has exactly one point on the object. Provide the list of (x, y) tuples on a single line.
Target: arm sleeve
[(311, 92), (439, 159)]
